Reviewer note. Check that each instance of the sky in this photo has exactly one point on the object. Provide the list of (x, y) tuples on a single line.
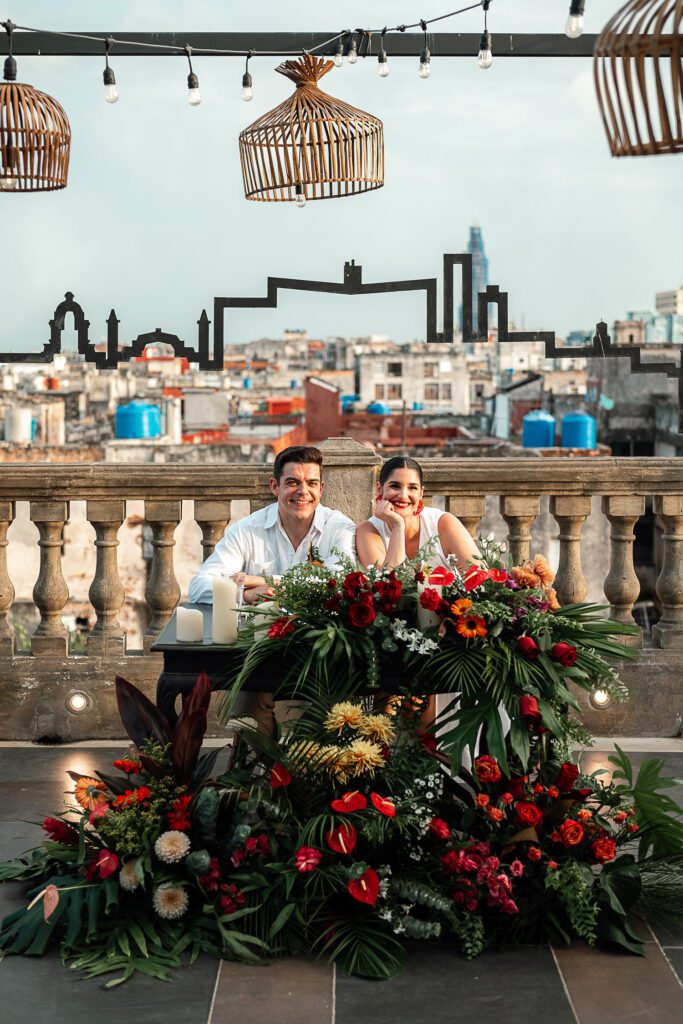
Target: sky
[(154, 222)]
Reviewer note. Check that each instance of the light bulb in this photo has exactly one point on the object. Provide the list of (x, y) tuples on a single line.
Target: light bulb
[(425, 68), (111, 93), (193, 96), (352, 55), (247, 91), (300, 196), (8, 184), (574, 27), (383, 65), (338, 58), (485, 57)]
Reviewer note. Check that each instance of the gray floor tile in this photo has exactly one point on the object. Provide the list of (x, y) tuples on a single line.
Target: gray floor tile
[(437, 984), (675, 958), (291, 991)]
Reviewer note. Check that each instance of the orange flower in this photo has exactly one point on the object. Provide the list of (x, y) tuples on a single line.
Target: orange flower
[(483, 799), (553, 603), (471, 625), (524, 576), (90, 792), (495, 813), (543, 571), (584, 815), (461, 605)]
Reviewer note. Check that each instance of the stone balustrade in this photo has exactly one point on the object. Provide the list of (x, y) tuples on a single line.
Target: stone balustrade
[(36, 684)]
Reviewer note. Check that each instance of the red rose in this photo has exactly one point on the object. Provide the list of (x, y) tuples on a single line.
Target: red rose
[(529, 648), (487, 769), (389, 590), (430, 599), (534, 853), (564, 653), (60, 831), (439, 828), (354, 583), (571, 833), (528, 706), (567, 776), (475, 576), (279, 776), (516, 785), (527, 815), (361, 615), (332, 584)]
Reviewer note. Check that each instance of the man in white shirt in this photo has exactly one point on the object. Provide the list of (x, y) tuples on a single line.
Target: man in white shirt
[(272, 540)]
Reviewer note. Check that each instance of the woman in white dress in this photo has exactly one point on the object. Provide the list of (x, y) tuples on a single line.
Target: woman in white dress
[(402, 525)]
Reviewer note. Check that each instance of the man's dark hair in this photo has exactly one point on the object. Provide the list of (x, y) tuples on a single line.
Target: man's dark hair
[(297, 453)]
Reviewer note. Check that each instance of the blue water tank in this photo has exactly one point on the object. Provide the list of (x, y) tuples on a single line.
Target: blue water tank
[(578, 430), (419, 406), (379, 409), (246, 383), (538, 429), (137, 420), (348, 401), (293, 384)]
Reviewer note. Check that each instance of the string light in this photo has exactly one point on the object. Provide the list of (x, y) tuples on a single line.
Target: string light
[(352, 55), (339, 55), (485, 57), (8, 182), (425, 68), (247, 91), (300, 196), (193, 96), (382, 61), (111, 93), (574, 27)]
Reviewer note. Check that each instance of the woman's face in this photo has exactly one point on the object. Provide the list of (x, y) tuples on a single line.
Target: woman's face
[(403, 490)]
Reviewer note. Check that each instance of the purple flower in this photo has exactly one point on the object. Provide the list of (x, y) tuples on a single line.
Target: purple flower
[(511, 584), (538, 603)]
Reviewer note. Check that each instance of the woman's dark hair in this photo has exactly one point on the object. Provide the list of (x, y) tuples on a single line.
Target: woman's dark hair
[(297, 453), (399, 462)]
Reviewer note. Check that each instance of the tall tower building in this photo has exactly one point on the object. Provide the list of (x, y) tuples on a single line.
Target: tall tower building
[(480, 271)]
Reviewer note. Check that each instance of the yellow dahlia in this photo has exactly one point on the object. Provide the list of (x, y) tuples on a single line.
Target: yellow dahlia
[(377, 728), (364, 756), (343, 714)]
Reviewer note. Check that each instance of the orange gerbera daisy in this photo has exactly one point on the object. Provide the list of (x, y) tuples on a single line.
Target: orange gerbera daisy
[(553, 603), (461, 605), (471, 625), (525, 577), (543, 571), (90, 792)]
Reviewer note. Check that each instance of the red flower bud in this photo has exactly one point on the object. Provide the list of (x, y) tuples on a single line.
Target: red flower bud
[(529, 648)]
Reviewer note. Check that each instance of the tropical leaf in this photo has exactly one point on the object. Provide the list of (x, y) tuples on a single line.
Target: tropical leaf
[(187, 744), (363, 948), (141, 719)]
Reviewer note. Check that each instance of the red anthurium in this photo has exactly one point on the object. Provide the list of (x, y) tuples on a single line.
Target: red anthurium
[(349, 802), (103, 863), (342, 839), (475, 576), (366, 888), (383, 805), (441, 577), (498, 575), (279, 776)]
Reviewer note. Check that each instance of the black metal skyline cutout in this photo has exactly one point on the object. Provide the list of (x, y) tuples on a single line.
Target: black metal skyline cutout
[(211, 357)]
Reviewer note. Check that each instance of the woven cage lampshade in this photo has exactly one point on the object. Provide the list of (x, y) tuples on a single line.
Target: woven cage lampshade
[(638, 72), (312, 144)]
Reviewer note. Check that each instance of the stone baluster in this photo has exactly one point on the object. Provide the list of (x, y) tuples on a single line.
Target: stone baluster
[(469, 509), (519, 512), (6, 588), (621, 584), (212, 518), (162, 591), (668, 632), (106, 591), (570, 512), (50, 592)]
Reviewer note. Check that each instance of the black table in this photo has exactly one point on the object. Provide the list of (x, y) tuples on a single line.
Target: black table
[(183, 662)]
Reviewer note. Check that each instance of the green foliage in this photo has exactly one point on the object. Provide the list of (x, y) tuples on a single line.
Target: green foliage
[(658, 815), (470, 932), (573, 884), (364, 948)]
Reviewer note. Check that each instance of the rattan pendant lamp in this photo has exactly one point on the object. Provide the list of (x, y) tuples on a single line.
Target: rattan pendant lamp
[(312, 146), (35, 137), (638, 71)]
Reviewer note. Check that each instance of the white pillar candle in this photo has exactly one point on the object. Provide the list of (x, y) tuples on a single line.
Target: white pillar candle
[(189, 625), (224, 614), (424, 616), (263, 619)]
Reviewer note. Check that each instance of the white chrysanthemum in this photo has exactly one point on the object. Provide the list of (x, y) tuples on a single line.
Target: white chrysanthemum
[(128, 880), (171, 847), (170, 901)]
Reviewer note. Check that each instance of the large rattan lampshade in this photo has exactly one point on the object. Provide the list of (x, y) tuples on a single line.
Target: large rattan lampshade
[(639, 78), (312, 145), (35, 137)]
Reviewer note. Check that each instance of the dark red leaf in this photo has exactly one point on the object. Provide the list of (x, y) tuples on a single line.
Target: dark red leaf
[(187, 744), (142, 720)]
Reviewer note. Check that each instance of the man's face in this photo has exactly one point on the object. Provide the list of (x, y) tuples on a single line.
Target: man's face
[(298, 491)]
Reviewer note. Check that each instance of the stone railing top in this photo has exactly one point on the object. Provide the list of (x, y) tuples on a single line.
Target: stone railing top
[(557, 476)]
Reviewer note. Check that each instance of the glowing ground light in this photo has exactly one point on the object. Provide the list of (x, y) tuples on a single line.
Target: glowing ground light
[(600, 698), (77, 702)]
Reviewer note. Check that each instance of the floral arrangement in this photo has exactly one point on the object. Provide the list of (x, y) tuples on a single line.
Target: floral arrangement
[(342, 837)]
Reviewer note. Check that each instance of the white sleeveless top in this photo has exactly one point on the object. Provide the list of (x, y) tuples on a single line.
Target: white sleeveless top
[(429, 527)]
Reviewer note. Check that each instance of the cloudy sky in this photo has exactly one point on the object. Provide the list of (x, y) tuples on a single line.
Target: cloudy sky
[(154, 222)]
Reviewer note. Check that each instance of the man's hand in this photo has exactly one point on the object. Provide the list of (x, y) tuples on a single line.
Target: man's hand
[(252, 594), (243, 580)]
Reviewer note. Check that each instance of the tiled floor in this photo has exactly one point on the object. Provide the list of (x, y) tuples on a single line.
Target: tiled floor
[(539, 985)]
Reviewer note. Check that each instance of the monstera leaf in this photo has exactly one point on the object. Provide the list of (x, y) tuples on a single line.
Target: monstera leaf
[(142, 720)]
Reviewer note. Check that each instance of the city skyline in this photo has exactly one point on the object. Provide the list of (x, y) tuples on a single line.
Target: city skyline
[(154, 223)]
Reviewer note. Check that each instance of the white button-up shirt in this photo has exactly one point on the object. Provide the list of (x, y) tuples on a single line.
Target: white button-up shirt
[(259, 546)]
